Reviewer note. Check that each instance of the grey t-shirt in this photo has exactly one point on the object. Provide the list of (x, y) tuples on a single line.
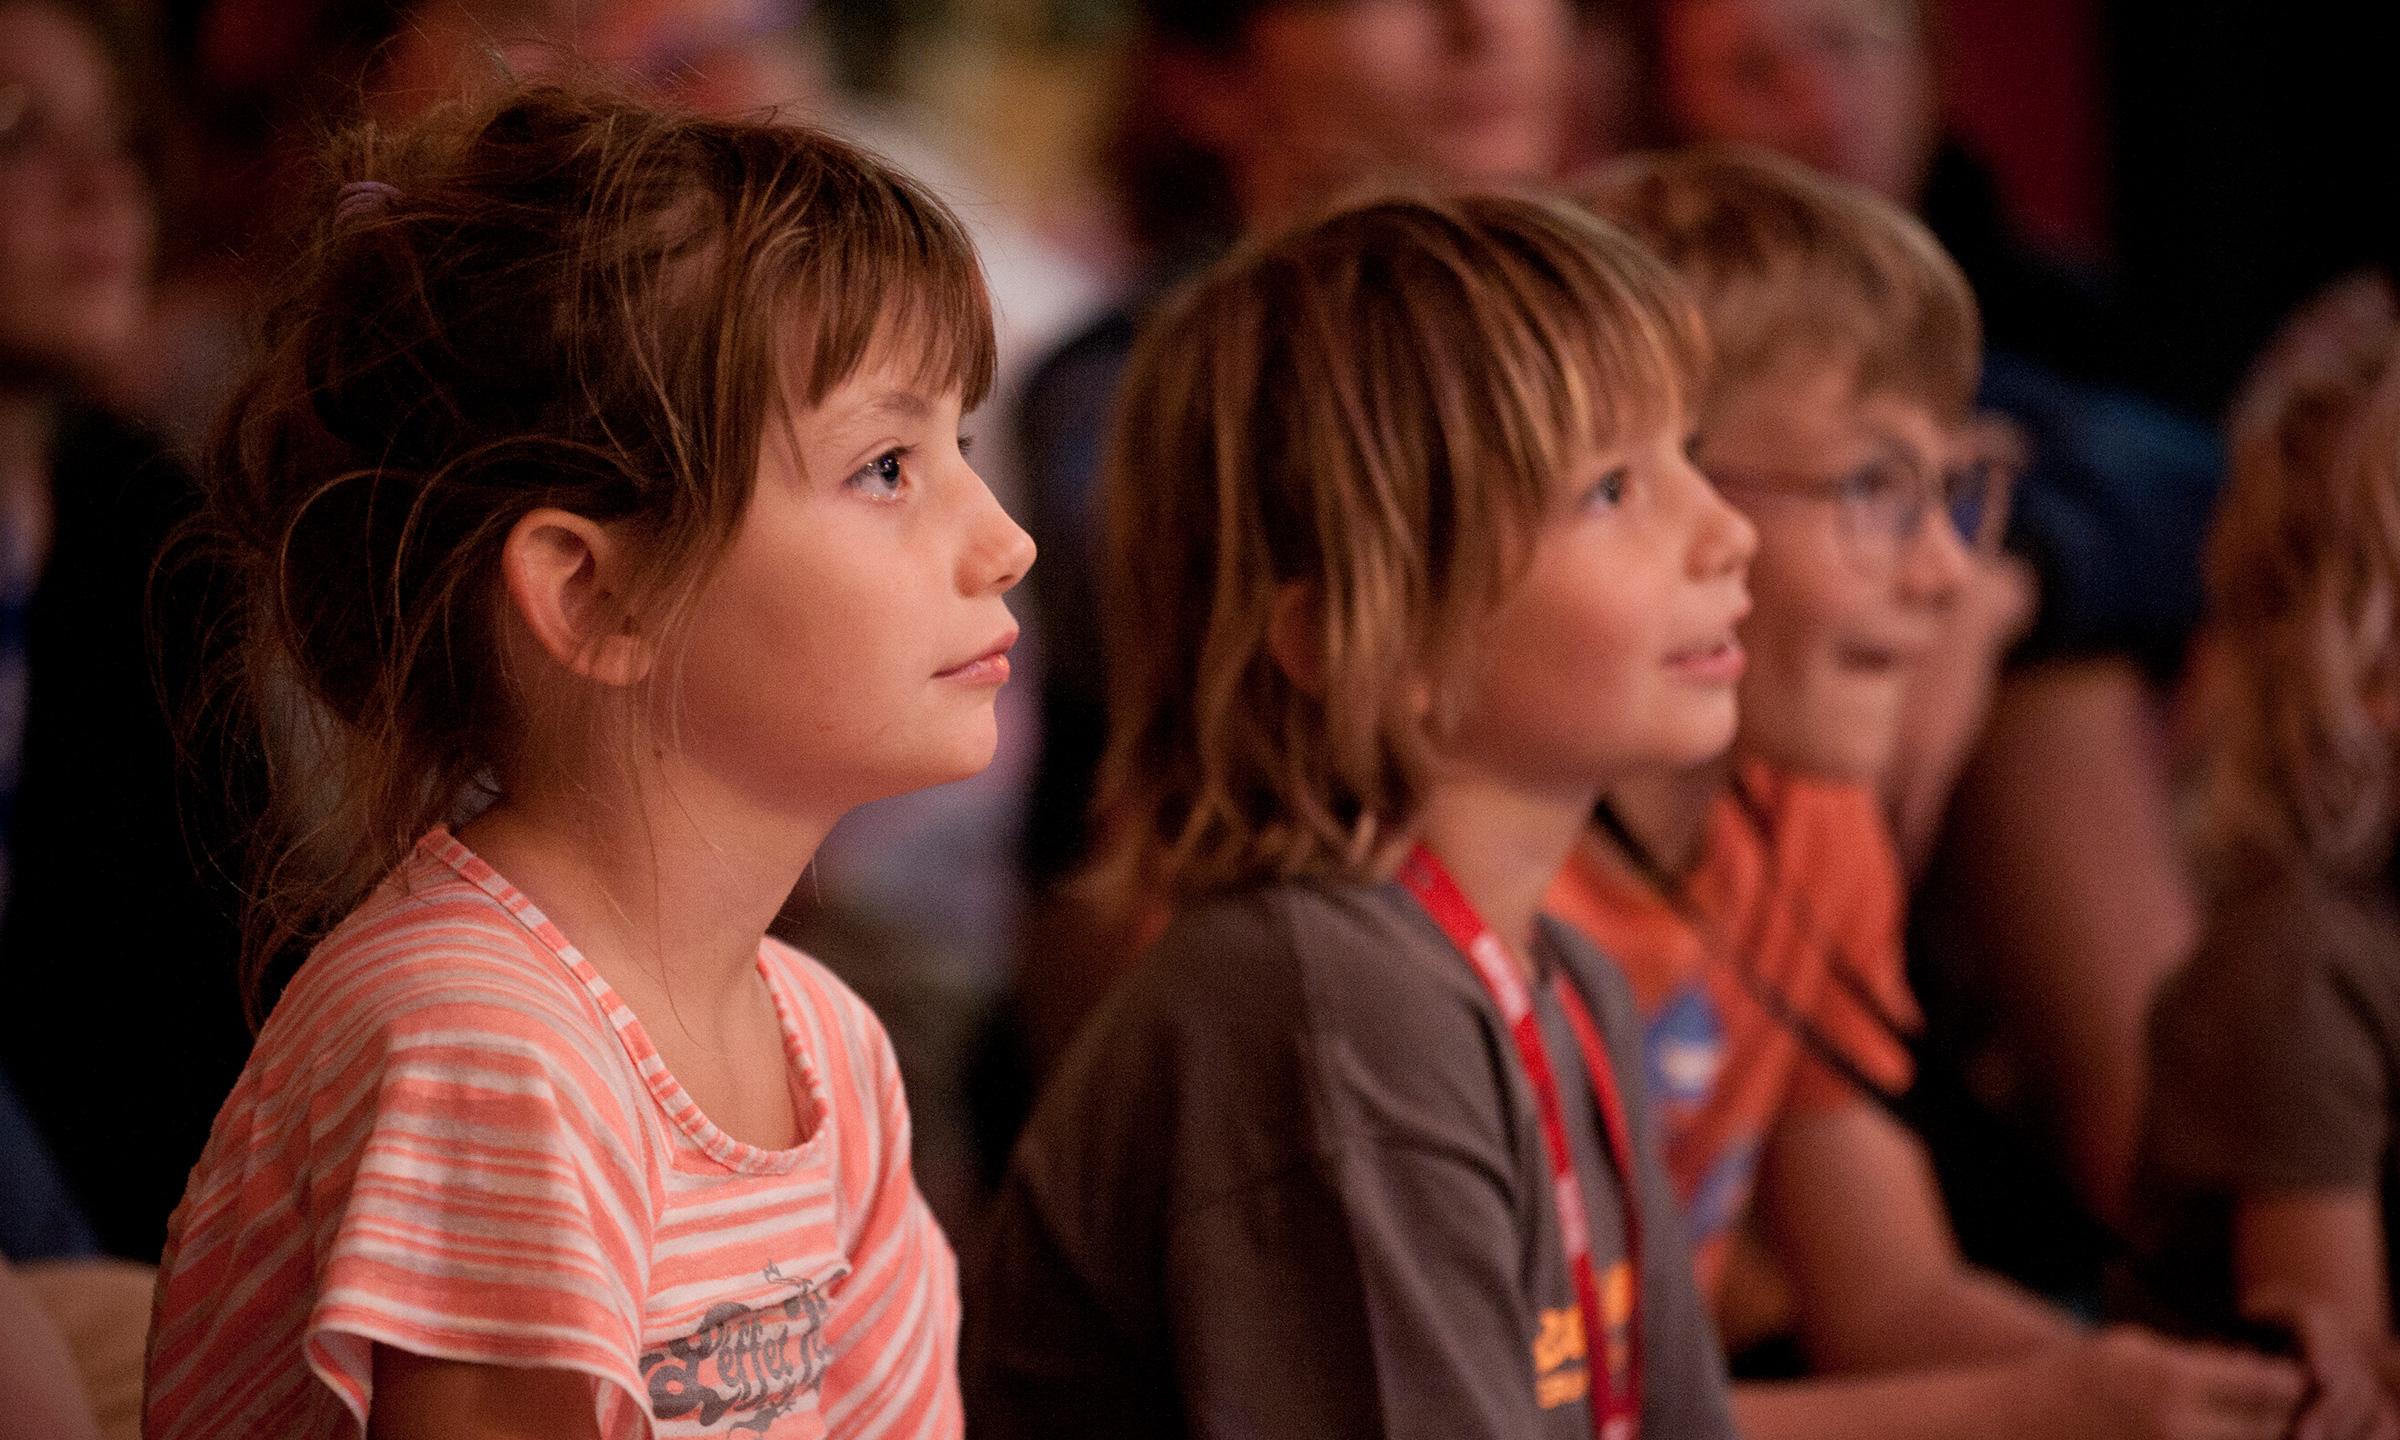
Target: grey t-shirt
[(1290, 1181), (2275, 1059)]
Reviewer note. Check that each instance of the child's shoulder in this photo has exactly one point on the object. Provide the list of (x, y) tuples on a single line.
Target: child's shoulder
[(1306, 932), (1299, 967), (438, 948)]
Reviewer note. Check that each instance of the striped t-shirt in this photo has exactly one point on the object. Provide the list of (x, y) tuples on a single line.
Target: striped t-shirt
[(455, 1139)]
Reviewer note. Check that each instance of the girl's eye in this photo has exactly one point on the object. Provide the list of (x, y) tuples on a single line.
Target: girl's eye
[(1611, 488), (884, 475), (966, 445)]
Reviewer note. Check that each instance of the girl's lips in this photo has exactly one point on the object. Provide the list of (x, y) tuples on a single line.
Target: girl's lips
[(991, 669), (1718, 663)]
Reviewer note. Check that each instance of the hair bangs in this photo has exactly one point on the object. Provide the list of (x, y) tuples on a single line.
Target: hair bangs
[(892, 274)]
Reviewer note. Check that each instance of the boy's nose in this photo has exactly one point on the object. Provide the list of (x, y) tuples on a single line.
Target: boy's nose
[(1934, 562), (1723, 538)]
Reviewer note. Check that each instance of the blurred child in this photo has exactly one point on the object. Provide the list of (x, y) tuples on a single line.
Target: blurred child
[(1755, 901), (2268, 1164), (2055, 901), (1407, 562), (602, 486)]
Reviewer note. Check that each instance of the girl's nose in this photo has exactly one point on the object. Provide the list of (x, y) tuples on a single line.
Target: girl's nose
[(999, 551)]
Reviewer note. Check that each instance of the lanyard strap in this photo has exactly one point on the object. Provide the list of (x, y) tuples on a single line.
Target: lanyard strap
[(1615, 1369)]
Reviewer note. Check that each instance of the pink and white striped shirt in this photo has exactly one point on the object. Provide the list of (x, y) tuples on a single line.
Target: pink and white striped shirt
[(454, 1138)]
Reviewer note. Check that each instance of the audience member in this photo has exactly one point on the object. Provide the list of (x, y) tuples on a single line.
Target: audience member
[(103, 897), (1756, 903), (2269, 1165), (2055, 901), (1406, 560)]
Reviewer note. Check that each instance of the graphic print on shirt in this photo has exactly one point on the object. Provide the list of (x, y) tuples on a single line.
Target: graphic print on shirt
[(749, 1366), (1683, 1051), (1561, 1350), (1560, 1373)]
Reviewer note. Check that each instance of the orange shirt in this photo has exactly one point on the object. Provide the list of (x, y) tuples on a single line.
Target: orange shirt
[(454, 1138), (1795, 905)]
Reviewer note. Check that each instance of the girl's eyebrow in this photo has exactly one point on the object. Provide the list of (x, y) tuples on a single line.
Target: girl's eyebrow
[(903, 404)]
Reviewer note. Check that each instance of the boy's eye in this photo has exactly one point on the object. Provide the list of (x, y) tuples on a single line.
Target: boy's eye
[(1610, 489), (884, 475), (1876, 480), (966, 445)]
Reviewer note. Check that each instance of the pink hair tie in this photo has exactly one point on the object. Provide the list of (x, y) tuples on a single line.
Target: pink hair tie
[(362, 197)]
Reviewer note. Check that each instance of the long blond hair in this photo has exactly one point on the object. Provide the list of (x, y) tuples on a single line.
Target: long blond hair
[(2302, 697), (1372, 408)]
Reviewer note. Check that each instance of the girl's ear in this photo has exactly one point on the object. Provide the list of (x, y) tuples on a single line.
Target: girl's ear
[(1296, 636), (564, 574)]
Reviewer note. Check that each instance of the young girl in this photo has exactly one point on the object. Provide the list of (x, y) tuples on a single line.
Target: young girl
[(602, 488), (1407, 561), (2268, 1166)]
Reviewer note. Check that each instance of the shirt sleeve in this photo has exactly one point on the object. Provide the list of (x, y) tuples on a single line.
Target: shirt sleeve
[(478, 1194), (1863, 1007), (893, 1331), (1377, 1292), (2266, 1069)]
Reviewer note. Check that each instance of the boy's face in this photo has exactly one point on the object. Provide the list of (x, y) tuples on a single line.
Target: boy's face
[(1616, 650), (1844, 86), (1318, 95), (1858, 565)]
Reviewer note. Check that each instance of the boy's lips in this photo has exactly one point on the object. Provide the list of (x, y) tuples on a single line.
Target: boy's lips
[(1712, 662)]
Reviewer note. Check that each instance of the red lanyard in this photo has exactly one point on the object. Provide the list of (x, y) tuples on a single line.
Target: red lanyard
[(1613, 1363)]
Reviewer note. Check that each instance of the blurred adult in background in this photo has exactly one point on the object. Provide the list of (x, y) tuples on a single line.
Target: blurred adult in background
[(2056, 902), (1238, 116), (120, 1028)]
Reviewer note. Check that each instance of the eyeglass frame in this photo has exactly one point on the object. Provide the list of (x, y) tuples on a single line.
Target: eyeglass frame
[(1976, 492)]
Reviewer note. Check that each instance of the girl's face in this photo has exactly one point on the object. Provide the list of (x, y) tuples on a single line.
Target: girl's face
[(851, 642), (1616, 651), (1858, 566), (75, 221)]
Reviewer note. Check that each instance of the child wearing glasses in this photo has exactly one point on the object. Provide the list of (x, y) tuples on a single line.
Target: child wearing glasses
[(1755, 902)]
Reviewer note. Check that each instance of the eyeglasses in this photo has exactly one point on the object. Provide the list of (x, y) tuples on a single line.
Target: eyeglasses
[(1884, 501)]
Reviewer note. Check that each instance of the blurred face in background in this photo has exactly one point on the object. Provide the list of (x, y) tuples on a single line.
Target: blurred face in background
[(1845, 86), (1317, 94), (75, 217)]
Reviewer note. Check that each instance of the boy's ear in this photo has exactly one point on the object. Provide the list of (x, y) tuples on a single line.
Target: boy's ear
[(563, 574), (1296, 636)]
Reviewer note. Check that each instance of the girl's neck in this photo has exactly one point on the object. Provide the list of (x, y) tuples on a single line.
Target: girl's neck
[(1665, 815), (1503, 844), (669, 894)]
